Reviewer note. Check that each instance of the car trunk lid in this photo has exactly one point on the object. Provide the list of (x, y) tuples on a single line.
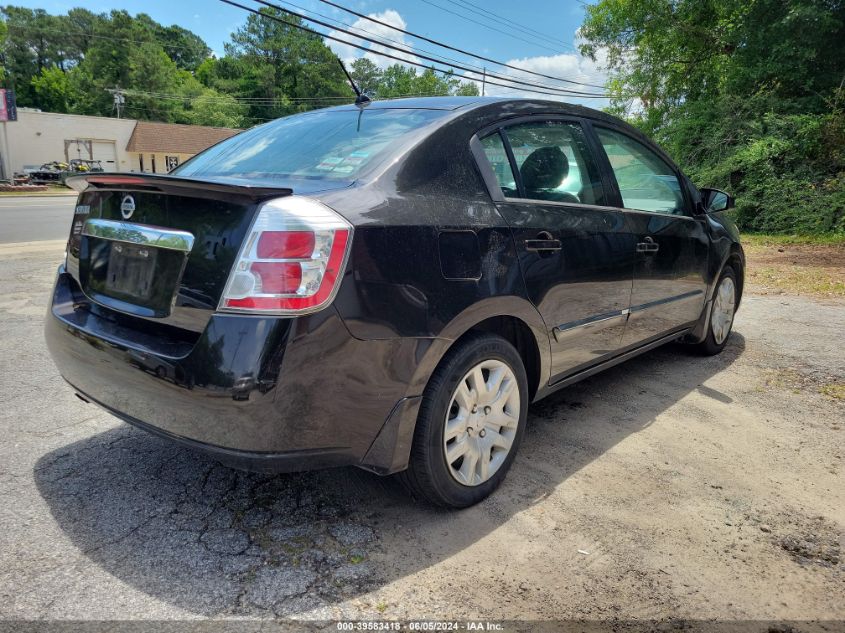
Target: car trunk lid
[(160, 247)]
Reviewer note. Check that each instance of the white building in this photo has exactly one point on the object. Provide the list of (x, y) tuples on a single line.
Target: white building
[(120, 144)]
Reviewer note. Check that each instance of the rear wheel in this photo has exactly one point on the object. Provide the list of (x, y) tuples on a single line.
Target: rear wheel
[(470, 424), (721, 314)]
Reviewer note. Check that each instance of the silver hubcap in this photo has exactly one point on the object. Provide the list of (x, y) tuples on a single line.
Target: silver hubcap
[(481, 422), (723, 310)]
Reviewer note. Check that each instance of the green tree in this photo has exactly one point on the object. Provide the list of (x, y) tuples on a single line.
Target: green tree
[(53, 90), (398, 80), (107, 63), (74, 62), (216, 109), (30, 47), (153, 80), (206, 106), (186, 49), (81, 26), (366, 74), (745, 95), (289, 68), (3, 33)]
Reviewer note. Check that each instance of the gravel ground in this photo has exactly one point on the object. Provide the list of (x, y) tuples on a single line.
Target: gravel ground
[(670, 486)]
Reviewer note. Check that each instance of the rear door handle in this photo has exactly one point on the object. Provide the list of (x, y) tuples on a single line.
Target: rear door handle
[(544, 243), (648, 245)]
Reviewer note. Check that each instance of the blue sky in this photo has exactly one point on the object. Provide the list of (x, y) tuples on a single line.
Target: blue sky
[(536, 34)]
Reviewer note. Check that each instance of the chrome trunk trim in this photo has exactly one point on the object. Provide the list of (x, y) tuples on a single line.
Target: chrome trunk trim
[(143, 234)]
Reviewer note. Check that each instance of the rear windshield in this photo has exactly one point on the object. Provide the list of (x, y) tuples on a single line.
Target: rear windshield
[(333, 145)]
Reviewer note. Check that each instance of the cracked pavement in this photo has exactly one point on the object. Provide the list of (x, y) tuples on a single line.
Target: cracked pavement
[(670, 485)]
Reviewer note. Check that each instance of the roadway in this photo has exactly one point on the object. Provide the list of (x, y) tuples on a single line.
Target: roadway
[(35, 218)]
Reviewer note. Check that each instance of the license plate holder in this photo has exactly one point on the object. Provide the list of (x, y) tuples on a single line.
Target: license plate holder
[(131, 270)]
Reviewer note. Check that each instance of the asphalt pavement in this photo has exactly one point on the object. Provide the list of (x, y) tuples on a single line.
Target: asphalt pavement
[(671, 486), (35, 218)]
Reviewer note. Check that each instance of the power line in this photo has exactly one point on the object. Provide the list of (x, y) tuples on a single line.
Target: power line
[(532, 87), (364, 48), (481, 70), (479, 10), (492, 28), (411, 49), (457, 50)]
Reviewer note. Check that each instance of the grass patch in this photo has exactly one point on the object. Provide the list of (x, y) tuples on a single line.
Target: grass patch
[(796, 264), (835, 390), (769, 239), (813, 281), (784, 379)]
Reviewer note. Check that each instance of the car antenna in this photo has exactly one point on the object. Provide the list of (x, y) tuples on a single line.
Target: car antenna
[(361, 100)]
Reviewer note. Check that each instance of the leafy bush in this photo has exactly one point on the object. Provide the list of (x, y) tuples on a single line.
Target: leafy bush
[(789, 177)]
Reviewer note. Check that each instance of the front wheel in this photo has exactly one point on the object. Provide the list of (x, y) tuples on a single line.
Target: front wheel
[(721, 314), (470, 424)]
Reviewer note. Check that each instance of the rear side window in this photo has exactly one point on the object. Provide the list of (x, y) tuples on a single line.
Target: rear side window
[(494, 149), (328, 145), (554, 162), (645, 181)]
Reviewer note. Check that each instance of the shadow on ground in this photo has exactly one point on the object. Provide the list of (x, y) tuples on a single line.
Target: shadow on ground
[(212, 540)]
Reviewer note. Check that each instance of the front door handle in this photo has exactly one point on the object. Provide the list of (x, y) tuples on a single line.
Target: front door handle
[(543, 243), (648, 245)]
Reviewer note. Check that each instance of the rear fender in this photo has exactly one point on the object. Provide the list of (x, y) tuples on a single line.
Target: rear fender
[(509, 306), (391, 449)]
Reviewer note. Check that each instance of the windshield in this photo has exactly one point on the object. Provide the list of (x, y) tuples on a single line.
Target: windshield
[(333, 145)]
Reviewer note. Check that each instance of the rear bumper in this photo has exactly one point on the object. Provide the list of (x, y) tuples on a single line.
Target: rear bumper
[(257, 461), (269, 394)]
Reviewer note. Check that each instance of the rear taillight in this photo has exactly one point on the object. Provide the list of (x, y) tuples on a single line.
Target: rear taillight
[(291, 261)]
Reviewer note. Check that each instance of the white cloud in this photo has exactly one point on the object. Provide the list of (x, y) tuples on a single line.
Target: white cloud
[(572, 66), (376, 31)]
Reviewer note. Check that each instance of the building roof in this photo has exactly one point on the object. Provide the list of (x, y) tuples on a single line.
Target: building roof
[(149, 136)]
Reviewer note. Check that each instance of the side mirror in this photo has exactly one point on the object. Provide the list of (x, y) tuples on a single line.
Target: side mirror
[(715, 200)]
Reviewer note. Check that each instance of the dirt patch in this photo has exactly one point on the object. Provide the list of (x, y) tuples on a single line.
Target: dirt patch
[(814, 541), (803, 269)]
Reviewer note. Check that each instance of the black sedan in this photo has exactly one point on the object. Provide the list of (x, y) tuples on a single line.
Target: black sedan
[(388, 287)]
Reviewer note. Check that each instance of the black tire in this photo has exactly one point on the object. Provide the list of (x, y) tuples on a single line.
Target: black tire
[(709, 346), (428, 476)]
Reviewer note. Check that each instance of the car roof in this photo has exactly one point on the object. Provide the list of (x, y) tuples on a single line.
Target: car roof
[(493, 109), (421, 103), (473, 103)]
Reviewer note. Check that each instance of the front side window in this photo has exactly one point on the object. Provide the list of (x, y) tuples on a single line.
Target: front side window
[(645, 181), (554, 162)]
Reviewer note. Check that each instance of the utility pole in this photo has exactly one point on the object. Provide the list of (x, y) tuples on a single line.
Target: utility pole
[(8, 112), (119, 99), (484, 81)]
